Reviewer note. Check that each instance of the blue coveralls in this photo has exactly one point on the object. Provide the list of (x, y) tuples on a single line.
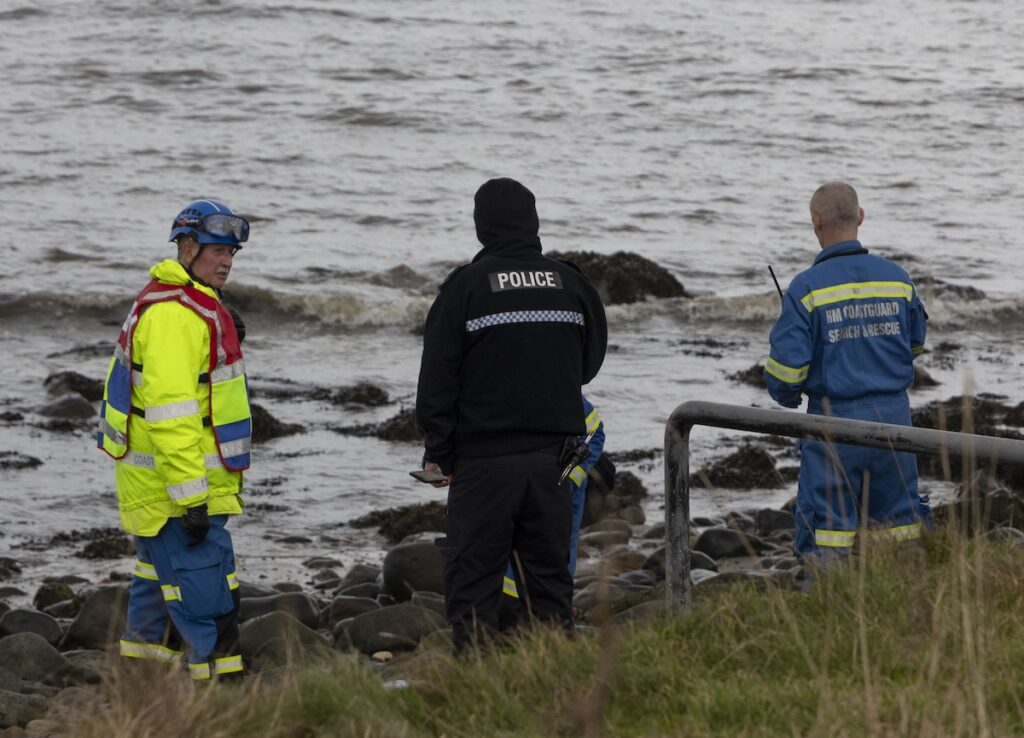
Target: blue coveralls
[(578, 485), (196, 588), (850, 328)]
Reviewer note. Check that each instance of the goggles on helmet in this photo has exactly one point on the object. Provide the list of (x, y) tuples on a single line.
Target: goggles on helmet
[(217, 224)]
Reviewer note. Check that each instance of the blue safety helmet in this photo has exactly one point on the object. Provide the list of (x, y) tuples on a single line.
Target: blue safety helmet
[(210, 221)]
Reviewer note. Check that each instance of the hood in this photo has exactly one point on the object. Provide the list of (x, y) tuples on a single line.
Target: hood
[(505, 213), (170, 271)]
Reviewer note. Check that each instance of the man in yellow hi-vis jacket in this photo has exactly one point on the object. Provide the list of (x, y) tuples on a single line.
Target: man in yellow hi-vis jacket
[(176, 417)]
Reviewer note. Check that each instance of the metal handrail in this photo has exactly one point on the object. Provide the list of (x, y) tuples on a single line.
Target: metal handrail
[(794, 425)]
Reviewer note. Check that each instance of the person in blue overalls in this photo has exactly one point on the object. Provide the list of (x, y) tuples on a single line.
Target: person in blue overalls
[(578, 478), (849, 331)]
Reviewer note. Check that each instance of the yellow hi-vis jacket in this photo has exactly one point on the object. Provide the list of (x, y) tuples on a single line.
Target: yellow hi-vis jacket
[(168, 456)]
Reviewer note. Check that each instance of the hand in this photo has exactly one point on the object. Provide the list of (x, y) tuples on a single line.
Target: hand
[(431, 466), (236, 318), (196, 522)]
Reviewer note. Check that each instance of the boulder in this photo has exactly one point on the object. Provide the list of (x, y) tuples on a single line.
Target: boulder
[(320, 562), (71, 406), (101, 620), (20, 709), (266, 427), (14, 460), (624, 277), (749, 467), (66, 382), (401, 427), (366, 589), (359, 574), (429, 601), (251, 589), (50, 593), (611, 524), (398, 628), (603, 503), (412, 567), (633, 514), (31, 657), (276, 638), (769, 521), (398, 523), (300, 606), (344, 607), (655, 563), (24, 620), (623, 560), (721, 543), (604, 539)]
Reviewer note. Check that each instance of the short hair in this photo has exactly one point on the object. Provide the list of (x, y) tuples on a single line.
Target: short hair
[(181, 239), (837, 205)]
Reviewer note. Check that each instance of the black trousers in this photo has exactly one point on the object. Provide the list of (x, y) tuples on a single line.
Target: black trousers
[(496, 506)]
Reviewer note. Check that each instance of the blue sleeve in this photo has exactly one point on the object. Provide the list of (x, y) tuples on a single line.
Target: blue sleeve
[(792, 347), (918, 324)]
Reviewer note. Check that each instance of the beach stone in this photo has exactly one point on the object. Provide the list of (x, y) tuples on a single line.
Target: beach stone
[(412, 567), (624, 277), (604, 539), (398, 628), (9, 680), (283, 587), (14, 460), (50, 593), (597, 592), (749, 467), (429, 601), (101, 620), (343, 607), (705, 522), (655, 562), (300, 606), (740, 521), (656, 531), (9, 590), (276, 638), (65, 382), (20, 709), (266, 427), (633, 514), (602, 503), (4, 607), (610, 525), (624, 560), (640, 577), (721, 543), (71, 406), (251, 589), (295, 540), (320, 576), (360, 574), (24, 620), (366, 589), (769, 521), (31, 657), (320, 562)]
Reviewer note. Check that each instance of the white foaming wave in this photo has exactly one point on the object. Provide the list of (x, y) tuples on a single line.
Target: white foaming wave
[(355, 312)]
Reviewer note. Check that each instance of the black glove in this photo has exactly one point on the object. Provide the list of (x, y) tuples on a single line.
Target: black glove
[(239, 323), (197, 524)]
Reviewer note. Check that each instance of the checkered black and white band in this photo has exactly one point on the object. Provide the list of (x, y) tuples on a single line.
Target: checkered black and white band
[(525, 316)]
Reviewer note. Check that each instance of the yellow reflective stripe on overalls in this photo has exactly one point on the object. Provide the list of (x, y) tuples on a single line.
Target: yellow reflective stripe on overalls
[(899, 533), (917, 350), (199, 671), (593, 421), (171, 593), (856, 291), (787, 374), (145, 571), (152, 651), (577, 475), (227, 665), (509, 587), (232, 580), (834, 538)]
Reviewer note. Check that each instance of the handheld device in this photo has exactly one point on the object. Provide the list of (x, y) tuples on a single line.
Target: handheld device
[(428, 476)]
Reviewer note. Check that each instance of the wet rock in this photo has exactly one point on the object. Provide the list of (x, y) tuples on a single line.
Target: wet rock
[(23, 620), (15, 460), (11, 416), (4, 607), (633, 514), (624, 277), (31, 657), (283, 587), (624, 560), (20, 709), (720, 543), (66, 382), (604, 539), (8, 590), (642, 577), (398, 628), (412, 567), (363, 394), (740, 521), (754, 376), (983, 504), (769, 521), (275, 639), (655, 563), (602, 503), (101, 543), (251, 589), (398, 523), (363, 589), (63, 610), (9, 568), (749, 467), (401, 427), (266, 427), (656, 531), (611, 524), (940, 288), (101, 621), (320, 562), (922, 379), (343, 607), (71, 406), (359, 574), (636, 455), (300, 606)]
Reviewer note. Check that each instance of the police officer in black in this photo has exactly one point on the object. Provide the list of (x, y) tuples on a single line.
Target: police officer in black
[(508, 343)]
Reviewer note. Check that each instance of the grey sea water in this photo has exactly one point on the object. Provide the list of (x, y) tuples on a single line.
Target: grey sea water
[(354, 135)]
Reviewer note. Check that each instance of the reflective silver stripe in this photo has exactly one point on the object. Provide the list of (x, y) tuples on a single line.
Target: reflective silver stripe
[(137, 379), (122, 357), (230, 371), (111, 432), (188, 489), (171, 593), (236, 448), (227, 664), (525, 316), (145, 571), (136, 650), (134, 458), (232, 580), (199, 671), (172, 411), (213, 461)]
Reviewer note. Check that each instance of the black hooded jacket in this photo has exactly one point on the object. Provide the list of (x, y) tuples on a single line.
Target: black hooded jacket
[(509, 341)]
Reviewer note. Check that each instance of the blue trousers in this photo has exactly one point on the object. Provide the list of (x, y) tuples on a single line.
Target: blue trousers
[(839, 483), (186, 593)]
